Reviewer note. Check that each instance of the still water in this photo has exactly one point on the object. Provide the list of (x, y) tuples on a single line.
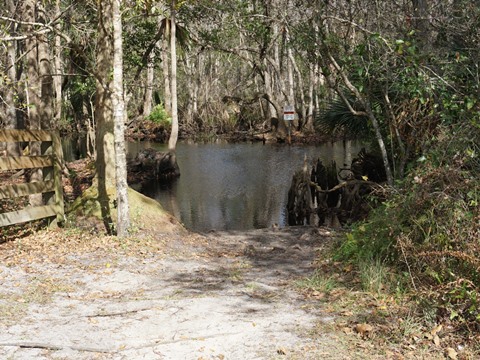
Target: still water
[(234, 186)]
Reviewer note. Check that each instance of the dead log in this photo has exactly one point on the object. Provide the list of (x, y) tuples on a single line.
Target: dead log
[(150, 164)]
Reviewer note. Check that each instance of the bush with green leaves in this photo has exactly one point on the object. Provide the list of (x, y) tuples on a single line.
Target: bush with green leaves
[(430, 227), (160, 116)]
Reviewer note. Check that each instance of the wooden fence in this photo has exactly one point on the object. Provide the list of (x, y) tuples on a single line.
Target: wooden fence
[(50, 160)]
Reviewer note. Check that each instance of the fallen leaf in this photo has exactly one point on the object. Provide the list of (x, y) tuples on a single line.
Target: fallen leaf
[(436, 329), (451, 353), (317, 295), (347, 330), (436, 340), (363, 329)]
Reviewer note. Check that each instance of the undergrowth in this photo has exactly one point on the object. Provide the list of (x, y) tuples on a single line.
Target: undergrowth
[(428, 232)]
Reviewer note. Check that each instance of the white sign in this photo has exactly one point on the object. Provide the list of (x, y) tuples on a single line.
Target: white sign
[(288, 112)]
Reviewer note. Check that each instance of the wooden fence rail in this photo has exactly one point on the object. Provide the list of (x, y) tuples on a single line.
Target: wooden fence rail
[(50, 160)]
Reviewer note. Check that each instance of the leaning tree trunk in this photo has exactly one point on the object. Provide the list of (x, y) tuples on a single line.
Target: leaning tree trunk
[(368, 111)]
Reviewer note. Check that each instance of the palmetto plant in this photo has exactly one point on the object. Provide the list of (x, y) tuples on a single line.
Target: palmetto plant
[(337, 119)]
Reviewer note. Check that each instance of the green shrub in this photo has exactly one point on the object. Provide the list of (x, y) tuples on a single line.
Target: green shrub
[(429, 228), (159, 116)]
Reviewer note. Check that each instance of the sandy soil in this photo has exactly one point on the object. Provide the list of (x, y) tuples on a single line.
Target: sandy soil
[(227, 295)]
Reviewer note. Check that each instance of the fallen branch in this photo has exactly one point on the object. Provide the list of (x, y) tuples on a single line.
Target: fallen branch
[(154, 343), (120, 313), (344, 184), (35, 345)]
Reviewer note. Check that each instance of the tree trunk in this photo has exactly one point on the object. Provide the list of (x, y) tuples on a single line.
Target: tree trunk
[(166, 69), (268, 90), (45, 74), (33, 94), (347, 148), (123, 220), (172, 142), (422, 23), (309, 119), (58, 78), (11, 122), (192, 89), (105, 161), (290, 78), (147, 99), (301, 105)]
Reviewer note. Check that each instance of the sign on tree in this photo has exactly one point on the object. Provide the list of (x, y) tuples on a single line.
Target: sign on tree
[(288, 113)]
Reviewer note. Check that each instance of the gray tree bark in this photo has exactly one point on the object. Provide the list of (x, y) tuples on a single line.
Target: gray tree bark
[(166, 69), (147, 99), (105, 160), (123, 219), (172, 141), (58, 78)]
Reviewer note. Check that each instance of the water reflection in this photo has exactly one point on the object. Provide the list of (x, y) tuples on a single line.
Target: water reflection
[(234, 186)]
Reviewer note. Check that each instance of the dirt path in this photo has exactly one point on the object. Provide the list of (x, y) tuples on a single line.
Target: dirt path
[(230, 296)]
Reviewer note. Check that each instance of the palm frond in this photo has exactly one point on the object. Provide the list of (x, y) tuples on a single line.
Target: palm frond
[(337, 119)]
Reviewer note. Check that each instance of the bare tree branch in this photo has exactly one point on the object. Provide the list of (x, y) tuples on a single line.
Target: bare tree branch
[(45, 28)]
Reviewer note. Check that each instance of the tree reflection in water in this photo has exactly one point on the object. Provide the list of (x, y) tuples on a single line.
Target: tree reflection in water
[(234, 186)]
